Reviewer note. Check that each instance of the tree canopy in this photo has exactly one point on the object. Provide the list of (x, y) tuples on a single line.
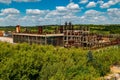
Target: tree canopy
[(38, 62)]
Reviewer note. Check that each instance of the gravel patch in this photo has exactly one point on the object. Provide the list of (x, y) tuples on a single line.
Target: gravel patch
[(6, 39)]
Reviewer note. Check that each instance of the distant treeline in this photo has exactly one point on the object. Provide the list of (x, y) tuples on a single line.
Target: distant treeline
[(104, 29)]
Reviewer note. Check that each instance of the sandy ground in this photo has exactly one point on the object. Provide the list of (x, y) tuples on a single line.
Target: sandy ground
[(6, 39)]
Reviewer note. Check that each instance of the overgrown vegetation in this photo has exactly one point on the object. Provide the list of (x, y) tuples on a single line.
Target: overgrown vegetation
[(38, 62)]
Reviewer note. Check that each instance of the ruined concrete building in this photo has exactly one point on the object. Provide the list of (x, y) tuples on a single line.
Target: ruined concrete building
[(65, 36)]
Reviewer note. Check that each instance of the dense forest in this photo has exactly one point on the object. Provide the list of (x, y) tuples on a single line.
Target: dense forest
[(39, 62)]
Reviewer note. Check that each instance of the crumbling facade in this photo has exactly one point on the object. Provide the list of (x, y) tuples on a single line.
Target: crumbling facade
[(66, 36), (45, 39)]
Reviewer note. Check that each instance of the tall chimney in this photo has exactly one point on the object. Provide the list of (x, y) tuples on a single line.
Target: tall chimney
[(70, 25), (61, 29), (18, 28), (65, 28), (40, 30), (55, 30), (80, 28)]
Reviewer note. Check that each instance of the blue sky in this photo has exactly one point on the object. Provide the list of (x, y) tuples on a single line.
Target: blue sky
[(45, 12)]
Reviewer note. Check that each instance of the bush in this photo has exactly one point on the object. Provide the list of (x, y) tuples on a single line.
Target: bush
[(38, 62)]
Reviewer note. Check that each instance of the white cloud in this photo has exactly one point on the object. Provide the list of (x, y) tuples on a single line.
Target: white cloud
[(93, 12), (1, 19), (109, 3), (114, 11), (9, 16), (36, 12), (28, 20), (89, 17), (5, 1), (9, 11), (34, 17), (83, 1), (10, 1), (94, 17), (70, 18), (114, 14), (55, 14), (73, 6), (91, 4), (60, 11), (26, 0), (100, 2), (10, 20), (61, 8)]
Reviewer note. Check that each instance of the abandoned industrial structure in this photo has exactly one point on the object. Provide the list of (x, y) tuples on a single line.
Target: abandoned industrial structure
[(39, 38), (66, 36)]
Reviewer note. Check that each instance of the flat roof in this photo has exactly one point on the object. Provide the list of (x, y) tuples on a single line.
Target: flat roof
[(38, 35)]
